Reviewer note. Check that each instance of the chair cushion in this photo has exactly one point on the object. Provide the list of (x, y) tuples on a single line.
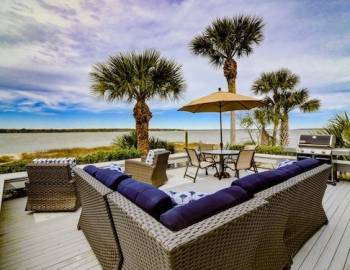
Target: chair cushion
[(71, 161), (91, 169), (151, 155), (151, 199), (257, 182), (110, 178), (181, 217), (307, 164)]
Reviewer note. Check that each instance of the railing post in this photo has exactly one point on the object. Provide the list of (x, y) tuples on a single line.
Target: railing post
[(186, 138)]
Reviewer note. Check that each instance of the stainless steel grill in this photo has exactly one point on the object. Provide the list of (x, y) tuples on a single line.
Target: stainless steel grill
[(319, 147)]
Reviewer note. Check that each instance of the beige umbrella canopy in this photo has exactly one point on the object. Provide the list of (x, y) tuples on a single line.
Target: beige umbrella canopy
[(221, 102)]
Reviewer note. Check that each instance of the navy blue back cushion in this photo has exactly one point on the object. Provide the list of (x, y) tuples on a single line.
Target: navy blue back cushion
[(254, 183), (183, 216), (91, 169), (110, 178), (290, 171), (257, 182), (308, 164), (152, 200)]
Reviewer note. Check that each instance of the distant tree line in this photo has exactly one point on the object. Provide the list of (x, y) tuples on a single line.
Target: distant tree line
[(24, 130)]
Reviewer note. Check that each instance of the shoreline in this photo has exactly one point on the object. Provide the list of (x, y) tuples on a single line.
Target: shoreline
[(14, 144), (69, 130)]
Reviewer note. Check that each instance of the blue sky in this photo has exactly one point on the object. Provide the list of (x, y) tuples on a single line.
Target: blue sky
[(47, 49)]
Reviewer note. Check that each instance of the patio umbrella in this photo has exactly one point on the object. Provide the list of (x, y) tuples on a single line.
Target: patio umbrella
[(221, 102)]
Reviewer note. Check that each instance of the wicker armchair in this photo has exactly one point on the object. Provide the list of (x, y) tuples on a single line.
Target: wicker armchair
[(152, 174), (51, 188)]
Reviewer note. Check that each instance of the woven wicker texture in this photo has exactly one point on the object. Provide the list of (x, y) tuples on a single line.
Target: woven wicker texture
[(51, 188), (263, 233), (151, 174), (95, 220), (297, 214), (227, 240)]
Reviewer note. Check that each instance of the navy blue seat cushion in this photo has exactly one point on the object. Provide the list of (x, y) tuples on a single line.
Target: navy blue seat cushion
[(181, 217), (91, 169), (257, 182), (110, 178), (151, 199), (308, 164)]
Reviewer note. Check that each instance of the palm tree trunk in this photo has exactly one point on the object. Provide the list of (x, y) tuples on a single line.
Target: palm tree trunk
[(264, 137), (230, 73), (284, 132), (276, 120), (142, 115)]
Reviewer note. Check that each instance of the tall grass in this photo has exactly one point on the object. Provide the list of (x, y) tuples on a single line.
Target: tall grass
[(67, 152), (83, 156), (5, 159)]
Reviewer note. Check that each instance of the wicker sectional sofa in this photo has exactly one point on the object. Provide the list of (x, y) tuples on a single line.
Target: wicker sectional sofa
[(96, 221), (264, 232)]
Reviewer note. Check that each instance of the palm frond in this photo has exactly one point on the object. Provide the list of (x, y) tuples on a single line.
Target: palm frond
[(137, 76), (336, 127), (228, 38)]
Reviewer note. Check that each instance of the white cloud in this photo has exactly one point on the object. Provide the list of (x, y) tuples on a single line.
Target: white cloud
[(65, 38)]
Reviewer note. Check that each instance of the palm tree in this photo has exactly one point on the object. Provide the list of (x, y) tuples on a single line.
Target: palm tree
[(263, 117), (225, 41), (272, 84), (292, 99), (248, 123), (258, 119), (339, 127), (138, 78)]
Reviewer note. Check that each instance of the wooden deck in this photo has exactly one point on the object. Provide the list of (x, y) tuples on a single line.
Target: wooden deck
[(51, 240)]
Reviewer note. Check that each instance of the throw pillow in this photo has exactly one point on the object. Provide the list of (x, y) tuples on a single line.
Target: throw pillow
[(185, 197)]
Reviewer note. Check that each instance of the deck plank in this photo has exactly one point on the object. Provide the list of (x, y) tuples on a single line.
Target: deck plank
[(52, 241), (339, 259), (334, 213), (332, 244), (347, 263), (330, 207)]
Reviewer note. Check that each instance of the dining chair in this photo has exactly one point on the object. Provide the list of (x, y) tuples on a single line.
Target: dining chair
[(194, 160), (206, 157), (244, 161)]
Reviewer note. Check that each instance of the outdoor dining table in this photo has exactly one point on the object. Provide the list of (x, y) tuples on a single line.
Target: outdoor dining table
[(221, 154)]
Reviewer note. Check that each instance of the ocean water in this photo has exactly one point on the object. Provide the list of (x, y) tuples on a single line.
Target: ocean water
[(15, 143)]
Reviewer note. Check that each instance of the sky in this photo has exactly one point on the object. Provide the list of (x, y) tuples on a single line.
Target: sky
[(47, 49)]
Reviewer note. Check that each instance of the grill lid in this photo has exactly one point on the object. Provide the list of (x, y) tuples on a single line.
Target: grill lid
[(317, 141)]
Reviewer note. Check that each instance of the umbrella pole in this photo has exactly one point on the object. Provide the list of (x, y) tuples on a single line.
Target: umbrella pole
[(221, 144)]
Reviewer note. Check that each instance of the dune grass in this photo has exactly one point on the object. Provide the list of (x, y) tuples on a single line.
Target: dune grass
[(66, 152), (5, 159), (83, 156)]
